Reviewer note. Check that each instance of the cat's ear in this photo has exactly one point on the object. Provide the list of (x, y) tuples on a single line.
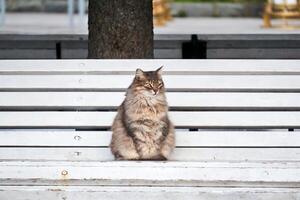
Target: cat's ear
[(139, 73), (159, 70)]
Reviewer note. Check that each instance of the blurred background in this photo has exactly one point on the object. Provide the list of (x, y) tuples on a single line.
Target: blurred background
[(251, 28), (189, 16)]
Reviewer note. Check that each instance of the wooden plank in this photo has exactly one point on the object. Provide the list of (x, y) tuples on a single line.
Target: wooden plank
[(184, 138), (48, 37), (168, 44), (253, 44), (171, 66), (254, 53), (74, 53), (159, 193), (179, 154), (249, 37), (111, 100), (68, 44), (27, 54), (236, 154), (56, 154), (167, 53), (84, 37), (59, 100), (23, 44), (207, 119), (172, 82), (272, 174)]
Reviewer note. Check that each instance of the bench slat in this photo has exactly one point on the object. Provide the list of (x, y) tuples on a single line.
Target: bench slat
[(159, 193), (180, 154), (171, 66), (253, 53), (111, 100), (151, 173), (173, 82), (184, 138), (209, 119)]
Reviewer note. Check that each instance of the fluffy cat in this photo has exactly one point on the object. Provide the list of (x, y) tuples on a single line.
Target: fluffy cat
[(142, 129)]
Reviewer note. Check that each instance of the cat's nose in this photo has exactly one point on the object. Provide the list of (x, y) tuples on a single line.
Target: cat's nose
[(155, 92)]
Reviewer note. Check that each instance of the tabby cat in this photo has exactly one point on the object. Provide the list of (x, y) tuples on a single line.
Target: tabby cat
[(142, 129)]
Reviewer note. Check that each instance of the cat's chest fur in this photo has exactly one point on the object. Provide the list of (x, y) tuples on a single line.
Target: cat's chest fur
[(147, 125), (146, 108), (145, 116)]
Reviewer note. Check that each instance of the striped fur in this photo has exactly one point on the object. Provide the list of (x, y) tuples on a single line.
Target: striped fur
[(142, 129)]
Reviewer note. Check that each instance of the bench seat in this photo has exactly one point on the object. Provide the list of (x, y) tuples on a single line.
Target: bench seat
[(237, 128), (193, 174), (153, 192), (106, 180), (164, 180)]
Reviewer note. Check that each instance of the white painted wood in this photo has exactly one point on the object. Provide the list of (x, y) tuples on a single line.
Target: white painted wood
[(221, 159), (173, 82), (171, 66), (55, 138), (184, 138), (236, 154), (56, 154), (206, 119), (159, 193), (179, 154), (151, 173), (108, 100)]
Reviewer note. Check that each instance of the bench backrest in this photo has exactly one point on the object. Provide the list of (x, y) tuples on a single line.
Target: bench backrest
[(222, 109), (222, 46)]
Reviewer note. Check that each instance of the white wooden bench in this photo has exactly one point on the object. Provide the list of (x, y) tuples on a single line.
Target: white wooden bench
[(237, 130)]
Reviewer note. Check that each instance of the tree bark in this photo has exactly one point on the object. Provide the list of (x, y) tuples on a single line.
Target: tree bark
[(120, 29)]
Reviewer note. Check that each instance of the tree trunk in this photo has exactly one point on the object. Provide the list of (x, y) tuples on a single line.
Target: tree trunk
[(120, 29)]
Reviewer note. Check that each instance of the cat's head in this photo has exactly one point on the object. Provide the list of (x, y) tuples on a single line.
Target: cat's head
[(149, 82)]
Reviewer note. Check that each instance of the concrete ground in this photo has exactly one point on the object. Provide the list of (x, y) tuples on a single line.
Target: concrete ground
[(45, 23)]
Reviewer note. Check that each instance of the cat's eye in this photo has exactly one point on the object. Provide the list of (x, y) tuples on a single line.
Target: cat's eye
[(160, 84), (148, 85)]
